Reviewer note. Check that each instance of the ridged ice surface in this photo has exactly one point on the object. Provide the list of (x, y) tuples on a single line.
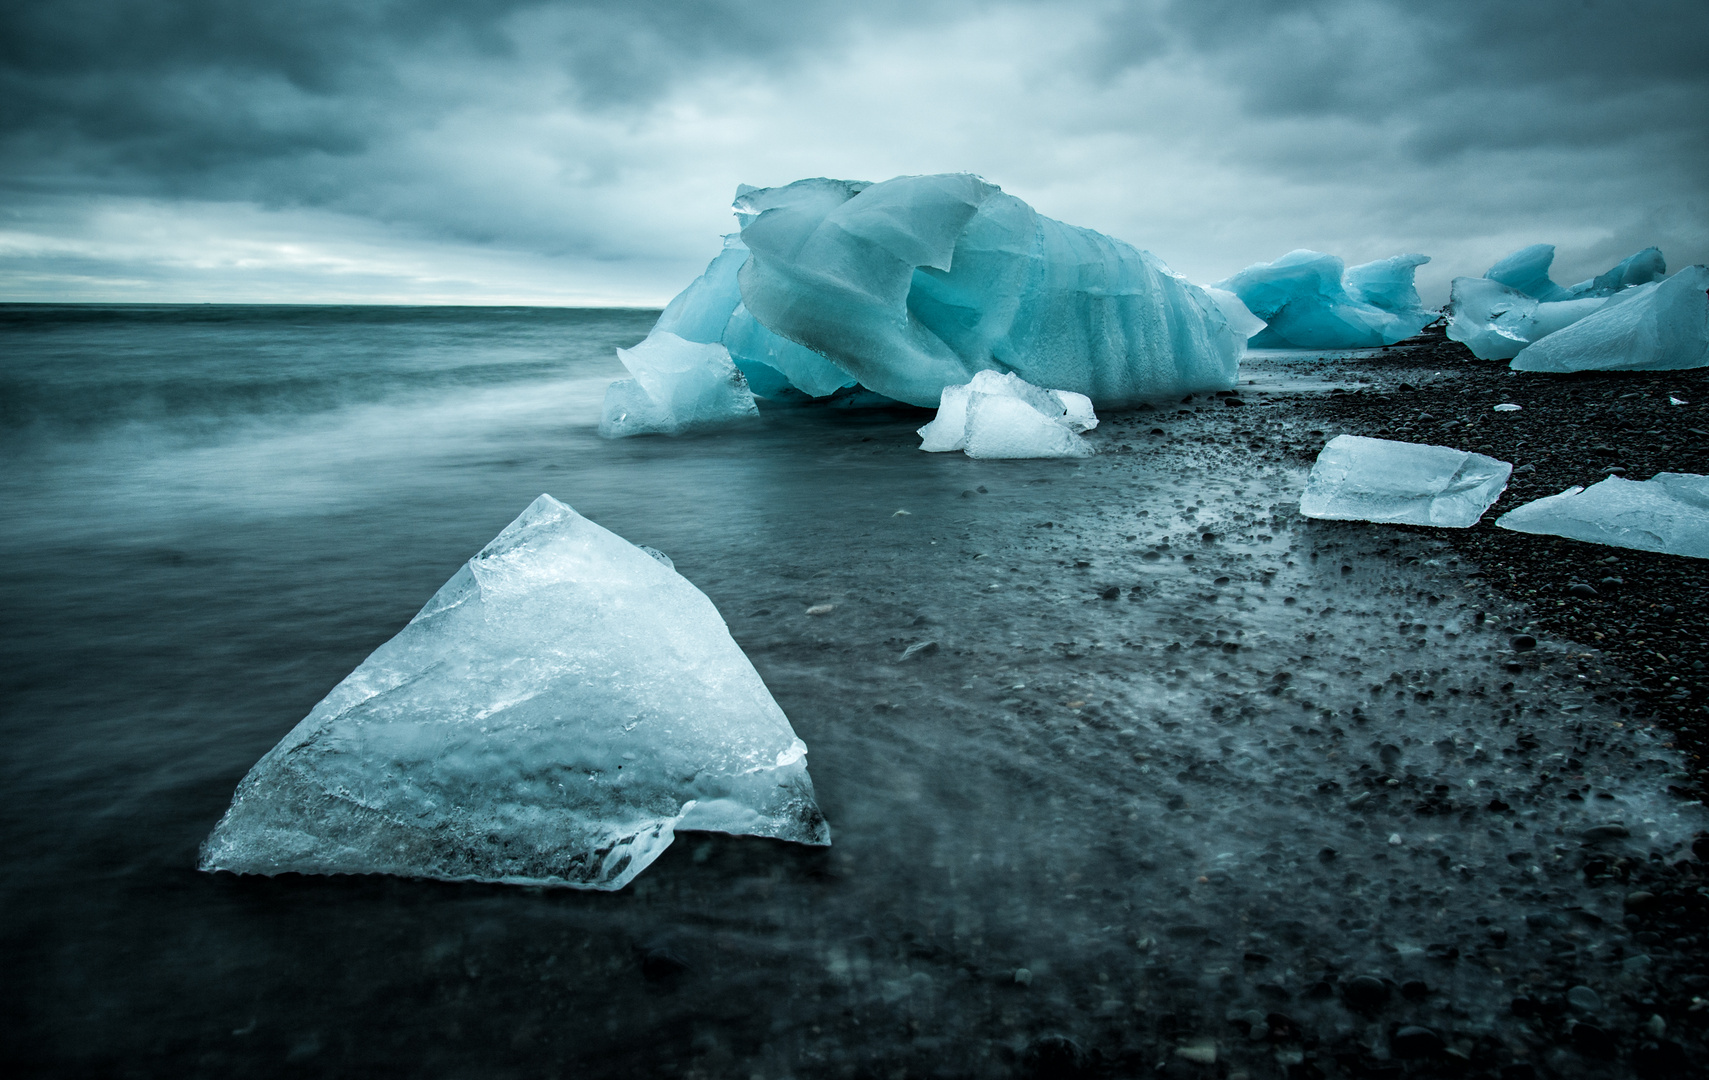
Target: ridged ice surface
[(1658, 326), (1497, 322), (1668, 512), (917, 283), (1360, 479), (557, 710), (1312, 301)]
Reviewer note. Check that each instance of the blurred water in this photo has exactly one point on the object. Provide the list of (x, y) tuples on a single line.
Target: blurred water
[(1263, 765)]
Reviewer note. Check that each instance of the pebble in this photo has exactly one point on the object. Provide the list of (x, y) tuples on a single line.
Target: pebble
[(1203, 1052), (1507, 407), (1598, 833), (1365, 992), (660, 965), (1023, 977), (1524, 643), (1584, 999), (1415, 1042), (1638, 901), (1584, 591)]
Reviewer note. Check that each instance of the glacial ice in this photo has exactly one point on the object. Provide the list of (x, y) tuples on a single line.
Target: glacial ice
[(1002, 416), (1241, 321), (1657, 326), (917, 283), (1527, 271), (1360, 479), (1496, 322), (1668, 513), (553, 715), (1311, 301), (678, 386)]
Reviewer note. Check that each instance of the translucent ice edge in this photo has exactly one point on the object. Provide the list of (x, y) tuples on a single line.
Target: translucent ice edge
[(1401, 483), (1668, 513)]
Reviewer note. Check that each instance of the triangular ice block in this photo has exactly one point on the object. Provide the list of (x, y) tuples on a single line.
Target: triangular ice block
[(557, 710)]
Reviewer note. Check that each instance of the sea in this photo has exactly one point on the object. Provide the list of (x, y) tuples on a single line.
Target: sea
[(1173, 770)]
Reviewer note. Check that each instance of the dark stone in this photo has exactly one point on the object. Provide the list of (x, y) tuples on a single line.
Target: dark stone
[(1524, 643), (1326, 855), (1112, 593), (1664, 1058), (1365, 992), (661, 965), (1700, 847), (1443, 953), (1592, 1041), (1519, 1070), (1414, 990), (1582, 591), (1612, 582), (1415, 1042), (1257, 959), (1598, 833), (1050, 1057), (1545, 920)]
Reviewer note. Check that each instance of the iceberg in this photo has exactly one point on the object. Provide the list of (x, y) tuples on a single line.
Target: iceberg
[(1640, 268), (918, 283), (1400, 483), (553, 716), (1241, 322), (1657, 326), (1003, 416), (1668, 513), (1311, 301), (1496, 322), (1527, 271), (678, 386)]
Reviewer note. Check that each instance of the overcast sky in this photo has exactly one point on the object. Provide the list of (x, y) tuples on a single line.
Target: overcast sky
[(565, 152)]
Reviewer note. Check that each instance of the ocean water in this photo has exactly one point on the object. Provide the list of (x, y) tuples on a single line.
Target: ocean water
[(1182, 766)]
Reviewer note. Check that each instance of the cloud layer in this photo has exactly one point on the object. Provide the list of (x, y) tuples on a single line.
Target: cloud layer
[(581, 152)]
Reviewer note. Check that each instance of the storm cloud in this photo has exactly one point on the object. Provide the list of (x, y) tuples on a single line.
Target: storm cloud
[(579, 152)]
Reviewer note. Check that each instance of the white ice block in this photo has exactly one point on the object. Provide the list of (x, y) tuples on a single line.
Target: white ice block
[(974, 418), (1667, 513), (678, 386), (556, 712), (1658, 326), (1360, 479)]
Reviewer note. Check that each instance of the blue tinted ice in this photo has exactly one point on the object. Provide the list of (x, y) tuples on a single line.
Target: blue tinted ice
[(556, 712), (678, 386), (1659, 326), (1527, 271), (1310, 301), (1667, 513), (1495, 322), (917, 283), (1360, 479)]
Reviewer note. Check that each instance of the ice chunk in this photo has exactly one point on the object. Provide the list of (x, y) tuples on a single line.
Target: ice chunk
[(710, 311), (553, 715), (1310, 301), (1659, 326), (1241, 321), (1667, 513), (1496, 322), (678, 386), (1636, 269), (1046, 424), (917, 283), (1527, 271), (1360, 479)]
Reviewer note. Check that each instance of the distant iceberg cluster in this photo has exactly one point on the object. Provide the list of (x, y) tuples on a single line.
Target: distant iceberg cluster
[(1631, 317), (1309, 300), (913, 285)]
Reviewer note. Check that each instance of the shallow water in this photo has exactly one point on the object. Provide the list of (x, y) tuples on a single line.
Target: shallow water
[(1191, 811)]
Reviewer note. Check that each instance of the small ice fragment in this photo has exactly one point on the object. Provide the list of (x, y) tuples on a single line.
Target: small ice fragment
[(1360, 479), (1202, 1052), (1671, 400), (1023, 976), (1507, 407), (821, 609), (1659, 326), (678, 386), (1004, 416), (552, 716), (1395, 840), (1667, 513)]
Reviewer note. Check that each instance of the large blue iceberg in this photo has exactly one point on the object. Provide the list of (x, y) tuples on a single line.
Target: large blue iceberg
[(1656, 326), (1313, 301), (918, 283), (1527, 271)]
